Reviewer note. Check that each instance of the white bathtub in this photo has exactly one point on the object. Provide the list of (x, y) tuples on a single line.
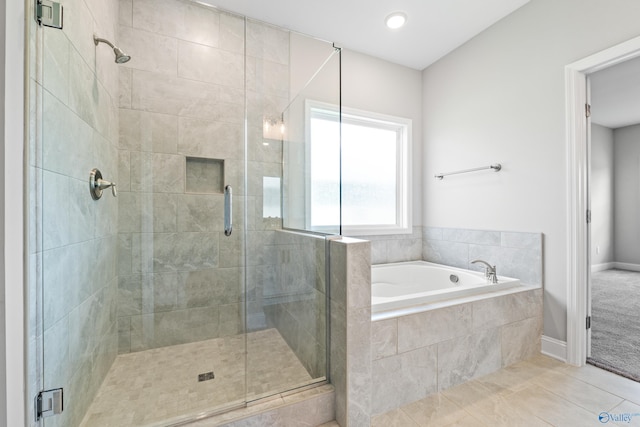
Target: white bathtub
[(406, 284)]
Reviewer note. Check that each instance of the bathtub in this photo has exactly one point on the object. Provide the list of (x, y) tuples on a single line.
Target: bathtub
[(407, 284)]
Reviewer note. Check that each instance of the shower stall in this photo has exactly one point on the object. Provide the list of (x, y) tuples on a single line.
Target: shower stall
[(174, 271)]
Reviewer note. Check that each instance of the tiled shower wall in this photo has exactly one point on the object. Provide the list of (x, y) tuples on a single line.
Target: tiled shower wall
[(73, 239), (182, 109), (295, 303)]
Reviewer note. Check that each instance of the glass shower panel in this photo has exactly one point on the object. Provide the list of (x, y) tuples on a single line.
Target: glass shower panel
[(143, 291), (286, 271), (311, 130)]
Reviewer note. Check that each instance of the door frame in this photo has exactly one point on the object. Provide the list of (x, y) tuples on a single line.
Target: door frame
[(578, 271)]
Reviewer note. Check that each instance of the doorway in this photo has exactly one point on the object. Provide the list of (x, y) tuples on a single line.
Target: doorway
[(614, 233), (579, 205)]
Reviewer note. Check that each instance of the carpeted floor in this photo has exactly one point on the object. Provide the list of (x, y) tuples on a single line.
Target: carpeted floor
[(615, 322)]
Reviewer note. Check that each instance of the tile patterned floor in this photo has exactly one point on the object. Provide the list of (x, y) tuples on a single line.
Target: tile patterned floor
[(538, 392), (146, 387)]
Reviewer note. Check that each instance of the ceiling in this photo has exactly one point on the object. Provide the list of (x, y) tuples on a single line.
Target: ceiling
[(615, 95), (433, 29)]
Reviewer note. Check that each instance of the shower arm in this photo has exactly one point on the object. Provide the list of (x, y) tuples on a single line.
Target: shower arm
[(97, 40), (121, 57)]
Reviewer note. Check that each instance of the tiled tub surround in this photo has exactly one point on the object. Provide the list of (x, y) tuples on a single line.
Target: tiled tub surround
[(445, 344), (423, 353), (182, 106), (516, 254)]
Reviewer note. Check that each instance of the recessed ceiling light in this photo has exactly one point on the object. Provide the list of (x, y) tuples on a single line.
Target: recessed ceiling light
[(396, 20)]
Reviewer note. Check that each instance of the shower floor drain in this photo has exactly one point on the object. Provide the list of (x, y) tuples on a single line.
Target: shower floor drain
[(206, 376)]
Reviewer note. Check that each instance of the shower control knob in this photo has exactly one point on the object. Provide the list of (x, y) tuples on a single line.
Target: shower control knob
[(97, 184)]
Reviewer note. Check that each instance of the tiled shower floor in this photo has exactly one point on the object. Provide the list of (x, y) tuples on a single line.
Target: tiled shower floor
[(150, 386)]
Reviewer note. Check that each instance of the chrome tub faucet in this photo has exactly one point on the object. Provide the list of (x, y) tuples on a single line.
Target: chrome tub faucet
[(489, 271)]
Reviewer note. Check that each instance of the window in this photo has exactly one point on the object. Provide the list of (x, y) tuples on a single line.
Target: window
[(375, 171)]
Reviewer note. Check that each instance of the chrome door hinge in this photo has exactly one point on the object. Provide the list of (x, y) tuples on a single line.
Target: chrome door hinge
[(49, 13), (589, 216), (49, 403), (587, 110), (588, 322)]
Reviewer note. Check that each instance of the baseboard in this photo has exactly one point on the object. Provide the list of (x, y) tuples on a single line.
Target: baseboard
[(627, 266), (619, 265), (554, 348), (602, 267)]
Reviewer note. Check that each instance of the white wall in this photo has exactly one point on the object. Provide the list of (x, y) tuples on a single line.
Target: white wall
[(602, 200), (306, 56), (500, 98), (12, 397), (627, 194)]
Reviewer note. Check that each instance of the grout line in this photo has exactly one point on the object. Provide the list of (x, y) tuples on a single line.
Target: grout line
[(605, 373), (464, 409), (579, 404)]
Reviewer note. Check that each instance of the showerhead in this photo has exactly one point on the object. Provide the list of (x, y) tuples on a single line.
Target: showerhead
[(121, 57)]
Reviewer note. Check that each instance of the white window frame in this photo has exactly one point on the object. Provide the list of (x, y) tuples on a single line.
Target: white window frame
[(403, 127)]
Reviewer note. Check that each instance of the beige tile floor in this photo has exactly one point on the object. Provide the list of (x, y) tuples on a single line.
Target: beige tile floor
[(538, 392), (147, 387)]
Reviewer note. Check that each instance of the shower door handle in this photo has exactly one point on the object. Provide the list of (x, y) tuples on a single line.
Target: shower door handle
[(228, 223)]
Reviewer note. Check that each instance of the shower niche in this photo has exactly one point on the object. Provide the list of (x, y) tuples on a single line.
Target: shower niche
[(204, 175)]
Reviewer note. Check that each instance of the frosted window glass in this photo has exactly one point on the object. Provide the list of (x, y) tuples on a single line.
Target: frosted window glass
[(325, 172), (368, 175), (271, 197), (370, 159)]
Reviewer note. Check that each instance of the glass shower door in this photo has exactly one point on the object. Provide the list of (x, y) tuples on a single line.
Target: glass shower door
[(142, 288), (153, 307)]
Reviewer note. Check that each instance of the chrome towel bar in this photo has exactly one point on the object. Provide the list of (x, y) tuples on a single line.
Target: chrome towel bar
[(496, 167)]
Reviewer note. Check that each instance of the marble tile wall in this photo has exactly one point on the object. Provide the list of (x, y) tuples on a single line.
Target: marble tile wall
[(515, 254), (183, 95), (295, 301), (416, 355), (73, 239), (424, 353), (396, 247), (350, 352)]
